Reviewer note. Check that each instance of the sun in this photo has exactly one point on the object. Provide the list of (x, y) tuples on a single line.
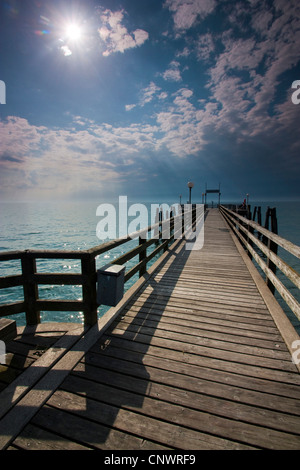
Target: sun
[(73, 32)]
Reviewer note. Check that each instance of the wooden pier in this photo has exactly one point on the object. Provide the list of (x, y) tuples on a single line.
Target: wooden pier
[(197, 355)]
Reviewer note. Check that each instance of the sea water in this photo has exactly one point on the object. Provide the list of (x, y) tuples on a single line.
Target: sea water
[(72, 226), (56, 226)]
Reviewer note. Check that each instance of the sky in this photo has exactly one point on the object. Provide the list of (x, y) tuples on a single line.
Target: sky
[(138, 97)]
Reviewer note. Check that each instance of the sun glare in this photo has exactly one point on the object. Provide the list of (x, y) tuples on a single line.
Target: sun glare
[(73, 32)]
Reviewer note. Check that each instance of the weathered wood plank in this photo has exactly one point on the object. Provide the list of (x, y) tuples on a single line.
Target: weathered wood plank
[(199, 295), (206, 308), (170, 434), (214, 364), (211, 330), (190, 317), (87, 432), (196, 366), (35, 438), (164, 401), (212, 304), (177, 376), (238, 352)]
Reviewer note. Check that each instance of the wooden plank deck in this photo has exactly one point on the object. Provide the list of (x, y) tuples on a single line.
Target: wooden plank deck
[(194, 361)]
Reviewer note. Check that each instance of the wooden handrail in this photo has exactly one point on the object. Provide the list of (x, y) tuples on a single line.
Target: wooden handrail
[(286, 244), (240, 225), (40, 254)]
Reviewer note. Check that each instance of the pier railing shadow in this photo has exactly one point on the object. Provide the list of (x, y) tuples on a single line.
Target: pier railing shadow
[(112, 380), (112, 376)]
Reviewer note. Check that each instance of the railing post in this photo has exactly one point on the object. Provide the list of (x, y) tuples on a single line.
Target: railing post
[(193, 214), (172, 225), (259, 215), (264, 238), (258, 219), (142, 256), (165, 229), (160, 223), (89, 290), (250, 230), (30, 287), (272, 247), (156, 233)]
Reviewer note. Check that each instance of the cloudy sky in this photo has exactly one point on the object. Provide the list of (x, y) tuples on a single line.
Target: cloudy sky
[(138, 97)]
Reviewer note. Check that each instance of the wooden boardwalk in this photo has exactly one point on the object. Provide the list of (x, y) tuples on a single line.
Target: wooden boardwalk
[(194, 361)]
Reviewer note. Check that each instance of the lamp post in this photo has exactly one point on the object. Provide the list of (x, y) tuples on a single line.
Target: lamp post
[(247, 195), (190, 186)]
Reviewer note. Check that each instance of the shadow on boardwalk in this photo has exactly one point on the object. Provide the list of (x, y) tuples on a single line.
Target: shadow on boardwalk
[(102, 398)]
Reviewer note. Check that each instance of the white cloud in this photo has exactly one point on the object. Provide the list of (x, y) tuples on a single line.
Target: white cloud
[(147, 95), (66, 51), (184, 53), (261, 21), (84, 154), (205, 46), (182, 125), (173, 72), (163, 95), (140, 36), (129, 107), (172, 75), (115, 35), (243, 84), (186, 12), (246, 76)]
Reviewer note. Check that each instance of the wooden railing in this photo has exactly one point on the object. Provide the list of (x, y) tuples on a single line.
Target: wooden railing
[(164, 231), (261, 245)]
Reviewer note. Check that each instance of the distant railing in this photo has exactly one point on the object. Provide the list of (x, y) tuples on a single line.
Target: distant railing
[(266, 242), (164, 231)]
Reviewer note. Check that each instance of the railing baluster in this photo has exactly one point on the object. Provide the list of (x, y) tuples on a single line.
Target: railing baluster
[(30, 287), (142, 256), (89, 291), (273, 247)]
